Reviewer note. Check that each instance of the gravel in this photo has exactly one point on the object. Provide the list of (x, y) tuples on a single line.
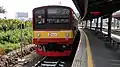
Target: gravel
[(11, 59)]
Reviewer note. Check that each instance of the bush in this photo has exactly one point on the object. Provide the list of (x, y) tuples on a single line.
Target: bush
[(10, 32)]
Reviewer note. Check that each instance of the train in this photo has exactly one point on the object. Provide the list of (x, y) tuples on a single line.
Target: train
[(54, 30)]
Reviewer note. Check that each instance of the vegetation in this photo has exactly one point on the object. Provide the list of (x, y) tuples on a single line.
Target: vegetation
[(10, 30)]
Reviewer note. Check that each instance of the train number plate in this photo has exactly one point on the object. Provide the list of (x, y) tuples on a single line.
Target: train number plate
[(52, 34)]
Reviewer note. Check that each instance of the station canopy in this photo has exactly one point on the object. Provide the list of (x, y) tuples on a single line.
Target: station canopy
[(97, 8)]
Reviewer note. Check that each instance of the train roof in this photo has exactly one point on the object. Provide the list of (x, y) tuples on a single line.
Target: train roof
[(53, 6)]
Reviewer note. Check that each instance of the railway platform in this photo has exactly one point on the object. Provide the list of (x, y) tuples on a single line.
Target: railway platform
[(92, 52)]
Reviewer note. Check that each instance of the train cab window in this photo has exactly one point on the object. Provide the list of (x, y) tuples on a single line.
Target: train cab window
[(58, 21), (58, 15), (52, 18), (40, 16)]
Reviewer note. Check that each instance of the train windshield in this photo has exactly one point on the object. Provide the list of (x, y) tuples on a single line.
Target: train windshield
[(52, 18), (58, 15)]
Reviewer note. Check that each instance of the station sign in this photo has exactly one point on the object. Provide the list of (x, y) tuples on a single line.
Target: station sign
[(95, 13)]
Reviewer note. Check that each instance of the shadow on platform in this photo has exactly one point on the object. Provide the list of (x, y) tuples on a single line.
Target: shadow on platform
[(102, 56)]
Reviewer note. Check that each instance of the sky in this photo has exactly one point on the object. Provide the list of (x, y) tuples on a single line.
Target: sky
[(13, 6)]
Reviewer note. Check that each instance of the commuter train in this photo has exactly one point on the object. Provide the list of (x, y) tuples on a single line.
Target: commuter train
[(54, 30)]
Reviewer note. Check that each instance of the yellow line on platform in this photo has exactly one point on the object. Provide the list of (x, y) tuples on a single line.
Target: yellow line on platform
[(89, 55)]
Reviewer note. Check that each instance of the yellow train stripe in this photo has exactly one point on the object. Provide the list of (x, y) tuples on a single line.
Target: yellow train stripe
[(53, 34), (55, 31), (89, 55)]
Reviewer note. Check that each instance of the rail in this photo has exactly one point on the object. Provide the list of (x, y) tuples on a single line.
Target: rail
[(49, 62)]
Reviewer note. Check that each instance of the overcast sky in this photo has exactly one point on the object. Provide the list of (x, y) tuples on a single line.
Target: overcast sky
[(13, 6)]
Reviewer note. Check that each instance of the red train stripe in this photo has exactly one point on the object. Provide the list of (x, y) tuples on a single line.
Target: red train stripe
[(56, 40), (42, 53)]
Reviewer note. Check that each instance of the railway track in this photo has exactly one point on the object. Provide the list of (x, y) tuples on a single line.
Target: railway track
[(50, 62)]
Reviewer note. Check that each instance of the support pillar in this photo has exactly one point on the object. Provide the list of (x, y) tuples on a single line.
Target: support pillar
[(101, 24), (109, 25), (117, 24), (114, 23), (86, 23), (97, 24), (82, 24), (90, 24)]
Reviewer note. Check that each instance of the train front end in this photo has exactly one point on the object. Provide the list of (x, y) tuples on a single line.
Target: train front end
[(52, 31)]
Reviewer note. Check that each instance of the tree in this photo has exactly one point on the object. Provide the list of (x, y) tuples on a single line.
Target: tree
[(2, 10)]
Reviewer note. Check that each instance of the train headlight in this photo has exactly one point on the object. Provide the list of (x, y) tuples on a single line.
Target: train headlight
[(67, 34), (38, 35)]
